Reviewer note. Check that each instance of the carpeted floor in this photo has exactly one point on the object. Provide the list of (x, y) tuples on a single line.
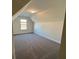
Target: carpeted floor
[(33, 46)]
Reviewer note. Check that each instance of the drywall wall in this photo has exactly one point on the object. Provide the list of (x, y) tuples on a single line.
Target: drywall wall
[(49, 18), (17, 26), (50, 24), (50, 30)]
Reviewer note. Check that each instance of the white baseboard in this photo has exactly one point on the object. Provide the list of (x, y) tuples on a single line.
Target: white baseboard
[(46, 36)]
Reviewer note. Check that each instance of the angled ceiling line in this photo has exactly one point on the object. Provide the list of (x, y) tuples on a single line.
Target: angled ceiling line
[(21, 10)]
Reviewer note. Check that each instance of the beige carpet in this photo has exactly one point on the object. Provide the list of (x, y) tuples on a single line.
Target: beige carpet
[(32, 46)]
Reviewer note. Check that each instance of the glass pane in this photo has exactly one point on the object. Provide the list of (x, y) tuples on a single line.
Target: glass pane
[(23, 23), (23, 20)]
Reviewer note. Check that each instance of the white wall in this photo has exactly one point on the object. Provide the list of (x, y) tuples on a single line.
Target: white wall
[(17, 26), (50, 23), (50, 30), (48, 19)]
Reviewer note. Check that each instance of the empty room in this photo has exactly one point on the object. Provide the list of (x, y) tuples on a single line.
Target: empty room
[(37, 29)]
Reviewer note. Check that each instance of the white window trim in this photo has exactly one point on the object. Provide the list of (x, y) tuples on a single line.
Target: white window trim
[(23, 24)]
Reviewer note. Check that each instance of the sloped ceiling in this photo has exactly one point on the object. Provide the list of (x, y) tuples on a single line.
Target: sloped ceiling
[(54, 10), (42, 5), (17, 5)]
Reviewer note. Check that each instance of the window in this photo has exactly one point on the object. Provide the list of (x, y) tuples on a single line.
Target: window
[(23, 23)]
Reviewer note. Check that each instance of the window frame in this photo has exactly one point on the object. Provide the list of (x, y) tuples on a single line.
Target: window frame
[(23, 24)]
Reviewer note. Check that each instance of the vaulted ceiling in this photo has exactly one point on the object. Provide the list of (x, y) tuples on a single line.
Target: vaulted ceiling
[(17, 5), (42, 5), (47, 10)]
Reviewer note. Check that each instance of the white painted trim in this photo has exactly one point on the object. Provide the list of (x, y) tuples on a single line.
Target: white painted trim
[(50, 38), (20, 11)]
